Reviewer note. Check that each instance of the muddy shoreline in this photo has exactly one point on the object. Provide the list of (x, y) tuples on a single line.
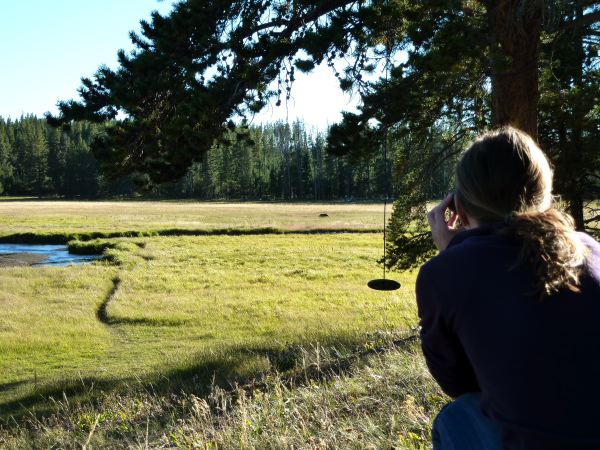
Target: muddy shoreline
[(20, 259)]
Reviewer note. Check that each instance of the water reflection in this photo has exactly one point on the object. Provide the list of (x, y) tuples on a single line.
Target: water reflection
[(56, 255)]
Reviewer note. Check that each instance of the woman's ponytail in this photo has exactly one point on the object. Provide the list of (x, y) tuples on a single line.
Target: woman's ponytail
[(550, 247)]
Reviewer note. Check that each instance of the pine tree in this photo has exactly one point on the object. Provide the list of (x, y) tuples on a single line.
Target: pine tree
[(5, 163), (182, 86)]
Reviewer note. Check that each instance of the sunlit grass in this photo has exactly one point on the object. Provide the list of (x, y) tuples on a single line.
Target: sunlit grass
[(214, 303), (48, 325), (382, 399), (115, 216), (123, 352)]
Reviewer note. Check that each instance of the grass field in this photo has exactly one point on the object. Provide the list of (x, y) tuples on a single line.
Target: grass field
[(183, 315), (86, 217), (179, 303)]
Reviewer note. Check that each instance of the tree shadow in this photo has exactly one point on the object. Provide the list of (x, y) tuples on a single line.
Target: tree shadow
[(11, 385), (233, 366)]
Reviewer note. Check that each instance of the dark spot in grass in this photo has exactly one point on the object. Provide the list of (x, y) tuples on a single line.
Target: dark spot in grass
[(7, 386), (102, 313)]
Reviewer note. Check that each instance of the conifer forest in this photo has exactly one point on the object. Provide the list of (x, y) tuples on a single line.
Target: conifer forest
[(276, 161)]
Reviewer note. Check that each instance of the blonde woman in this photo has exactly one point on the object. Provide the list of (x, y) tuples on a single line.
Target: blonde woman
[(510, 307)]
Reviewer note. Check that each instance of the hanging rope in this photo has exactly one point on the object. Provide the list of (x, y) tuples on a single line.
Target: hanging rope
[(385, 163), (384, 284), (385, 200)]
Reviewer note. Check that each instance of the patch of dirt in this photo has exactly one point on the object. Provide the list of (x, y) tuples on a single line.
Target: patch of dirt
[(20, 259)]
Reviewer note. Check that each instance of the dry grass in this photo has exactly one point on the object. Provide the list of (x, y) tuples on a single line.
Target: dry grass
[(76, 217), (385, 400)]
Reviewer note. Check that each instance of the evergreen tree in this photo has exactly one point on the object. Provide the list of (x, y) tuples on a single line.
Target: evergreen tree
[(570, 113), (5, 153), (56, 158), (209, 61)]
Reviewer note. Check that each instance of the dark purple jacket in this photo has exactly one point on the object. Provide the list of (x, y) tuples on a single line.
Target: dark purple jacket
[(536, 362)]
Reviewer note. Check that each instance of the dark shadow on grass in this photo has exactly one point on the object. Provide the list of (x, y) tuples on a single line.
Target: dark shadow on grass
[(89, 390), (237, 366), (143, 321), (102, 313), (11, 385)]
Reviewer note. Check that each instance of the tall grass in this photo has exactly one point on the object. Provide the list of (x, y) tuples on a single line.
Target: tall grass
[(383, 400)]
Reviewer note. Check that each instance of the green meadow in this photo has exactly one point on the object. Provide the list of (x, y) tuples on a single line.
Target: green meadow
[(189, 314)]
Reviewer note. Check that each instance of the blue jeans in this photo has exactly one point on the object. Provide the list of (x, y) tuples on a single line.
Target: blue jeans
[(461, 426)]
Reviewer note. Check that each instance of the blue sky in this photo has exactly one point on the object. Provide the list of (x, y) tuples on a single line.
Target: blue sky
[(46, 46)]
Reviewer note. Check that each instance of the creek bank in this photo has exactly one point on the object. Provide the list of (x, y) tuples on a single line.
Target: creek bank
[(12, 255), (20, 259)]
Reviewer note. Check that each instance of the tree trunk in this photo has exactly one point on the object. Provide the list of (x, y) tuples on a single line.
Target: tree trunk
[(515, 28)]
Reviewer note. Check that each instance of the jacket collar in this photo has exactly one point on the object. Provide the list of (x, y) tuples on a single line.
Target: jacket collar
[(482, 230)]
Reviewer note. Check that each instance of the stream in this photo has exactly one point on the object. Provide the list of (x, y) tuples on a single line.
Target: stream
[(55, 255)]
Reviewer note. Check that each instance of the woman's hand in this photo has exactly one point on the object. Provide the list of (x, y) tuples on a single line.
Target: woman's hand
[(442, 232)]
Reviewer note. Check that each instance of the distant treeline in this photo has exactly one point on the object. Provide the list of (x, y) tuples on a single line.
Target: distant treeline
[(276, 162), (36, 159)]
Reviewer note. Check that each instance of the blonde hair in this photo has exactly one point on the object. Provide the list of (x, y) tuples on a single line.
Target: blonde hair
[(504, 177)]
